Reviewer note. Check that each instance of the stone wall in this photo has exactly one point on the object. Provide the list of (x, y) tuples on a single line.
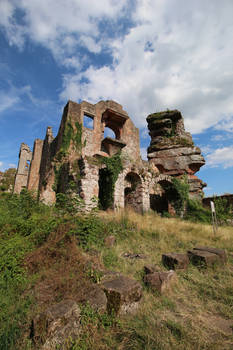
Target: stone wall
[(21, 179), (72, 162)]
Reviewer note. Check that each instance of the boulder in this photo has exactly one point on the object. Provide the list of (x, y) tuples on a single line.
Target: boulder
[(160, 281), (123, 294), (203, 258), (96, 298), (55, 327), (175, 261), (220, 252), (151, 269)]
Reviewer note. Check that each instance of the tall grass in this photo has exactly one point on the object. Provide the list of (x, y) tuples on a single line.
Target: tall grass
[(46, 257)]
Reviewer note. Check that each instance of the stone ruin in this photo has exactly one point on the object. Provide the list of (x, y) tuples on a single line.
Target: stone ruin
[(74, 162)]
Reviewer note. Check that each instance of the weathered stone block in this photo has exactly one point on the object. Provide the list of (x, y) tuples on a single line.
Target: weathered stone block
[(151, 269), (203, 258), (96, 298), (175, 261), (160, 281), (54, 327), (123, 294), (220, 252)]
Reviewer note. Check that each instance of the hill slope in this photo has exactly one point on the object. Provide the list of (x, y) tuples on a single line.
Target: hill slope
[(48, 255)]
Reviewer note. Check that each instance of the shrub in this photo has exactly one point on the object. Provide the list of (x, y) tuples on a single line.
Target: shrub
[(196, 212)]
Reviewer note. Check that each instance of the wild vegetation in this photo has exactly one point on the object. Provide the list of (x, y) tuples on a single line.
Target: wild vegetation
[(47, 254)]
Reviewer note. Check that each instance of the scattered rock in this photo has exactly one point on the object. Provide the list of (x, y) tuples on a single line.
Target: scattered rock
[(220, 252), (109, 275), (134, 256), (160, 281), (54, 327), (123, 294), (203, 258), (110, 241), (151, 269), (175, 261), (96, 298)]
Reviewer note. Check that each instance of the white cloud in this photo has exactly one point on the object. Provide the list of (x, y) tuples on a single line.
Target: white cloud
[(143, 153), (176, 55), (59, 25), (11, 98), (221, 157), (7, 101), (1, 165), (189, 64)]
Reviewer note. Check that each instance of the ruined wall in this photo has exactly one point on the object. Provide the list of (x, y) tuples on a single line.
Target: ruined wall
[(228, 197), (73, 161), (21, 178), (34, 176)]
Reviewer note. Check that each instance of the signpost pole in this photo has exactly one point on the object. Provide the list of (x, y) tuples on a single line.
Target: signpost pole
[(214, 217)]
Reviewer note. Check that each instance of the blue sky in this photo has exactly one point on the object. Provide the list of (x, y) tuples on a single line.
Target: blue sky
[(148, 55)]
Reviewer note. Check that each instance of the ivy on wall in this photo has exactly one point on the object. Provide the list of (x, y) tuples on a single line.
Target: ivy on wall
[(178, 193), (107, 180)]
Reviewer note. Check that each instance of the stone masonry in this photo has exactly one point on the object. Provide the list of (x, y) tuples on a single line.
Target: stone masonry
[(73, 161)]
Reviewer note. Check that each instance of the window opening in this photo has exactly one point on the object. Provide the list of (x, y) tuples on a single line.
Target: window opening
[(88, 121), (109, 133)]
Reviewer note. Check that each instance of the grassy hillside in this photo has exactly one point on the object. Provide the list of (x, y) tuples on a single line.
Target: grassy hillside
[(47, 255)]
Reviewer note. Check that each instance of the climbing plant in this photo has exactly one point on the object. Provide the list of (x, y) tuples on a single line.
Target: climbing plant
[(108, 178), (178, 193)]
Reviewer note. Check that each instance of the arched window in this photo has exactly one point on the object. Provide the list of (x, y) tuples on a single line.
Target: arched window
[(108, 132)]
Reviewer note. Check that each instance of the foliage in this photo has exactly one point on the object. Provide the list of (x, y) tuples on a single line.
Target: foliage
[(196, 212), (110, 259), (177, 193), (89, 230), (223, 210), (24, 224), (68, 203), (7, 179), (69, 135), (108, 178)]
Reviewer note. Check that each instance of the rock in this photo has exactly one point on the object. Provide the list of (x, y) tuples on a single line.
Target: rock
[(96, 298), (172, 150), (220, 252), (109, 275), (54, 327), (175, 261), (110, 241), (123, 294), (134, 256), (151, 269), (203, 258), (160, 281)]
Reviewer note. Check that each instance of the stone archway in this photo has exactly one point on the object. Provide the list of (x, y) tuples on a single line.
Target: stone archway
[(162, 200), (133, 191)]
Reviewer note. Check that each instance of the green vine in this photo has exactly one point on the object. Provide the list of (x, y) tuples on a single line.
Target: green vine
[(178, 193), (108, 178)]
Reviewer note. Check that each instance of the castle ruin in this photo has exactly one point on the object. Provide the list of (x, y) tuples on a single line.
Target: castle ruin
[(75, 161)]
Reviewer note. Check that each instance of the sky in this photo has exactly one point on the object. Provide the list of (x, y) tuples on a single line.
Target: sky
[(148, 55)]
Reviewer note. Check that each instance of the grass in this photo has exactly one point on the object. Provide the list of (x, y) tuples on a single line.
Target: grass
[(46, 257)]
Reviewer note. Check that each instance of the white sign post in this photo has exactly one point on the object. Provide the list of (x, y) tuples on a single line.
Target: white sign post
[(214, 218)]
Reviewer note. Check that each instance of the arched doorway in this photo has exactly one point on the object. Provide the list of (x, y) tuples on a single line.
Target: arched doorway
[(133, 191), (164, 198)]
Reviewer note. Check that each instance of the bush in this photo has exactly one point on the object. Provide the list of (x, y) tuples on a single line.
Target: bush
[(196, 212)]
